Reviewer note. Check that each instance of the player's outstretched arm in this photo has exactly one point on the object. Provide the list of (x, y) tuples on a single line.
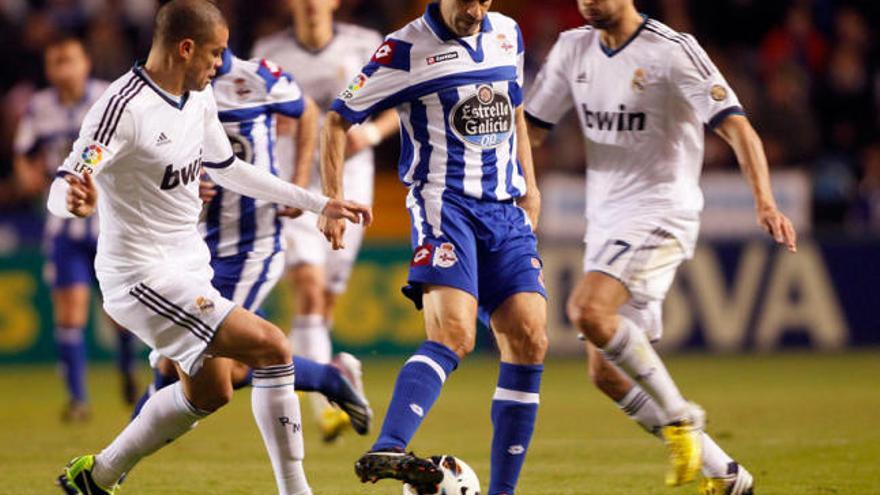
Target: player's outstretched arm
[(531, 202), (71, 196), (741, 136), (247, 180), (333, 139), (306, 140)]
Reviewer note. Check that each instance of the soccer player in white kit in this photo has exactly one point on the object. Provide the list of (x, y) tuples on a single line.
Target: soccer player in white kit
[(138, 157), (42, 142), (643, 93), (325, 56)]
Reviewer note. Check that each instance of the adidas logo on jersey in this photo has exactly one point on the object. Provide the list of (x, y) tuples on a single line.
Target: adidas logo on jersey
[(162, 139), (614, 121), (582, 78)]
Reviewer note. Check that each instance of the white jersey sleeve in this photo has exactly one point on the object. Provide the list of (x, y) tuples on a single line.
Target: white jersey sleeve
[(699, 83), (380, 85), (217, 152), (25, 141), (550, 97)]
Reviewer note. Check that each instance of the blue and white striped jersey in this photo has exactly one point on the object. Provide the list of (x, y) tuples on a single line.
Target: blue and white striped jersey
[(456, 98), (249, 93), (48, 130)]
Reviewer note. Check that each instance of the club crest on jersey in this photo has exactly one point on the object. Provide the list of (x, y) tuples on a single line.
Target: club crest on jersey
[(718, 92), (484, 119), (241, 147), (444, 255), (503, 42), (241, 89), (639, 81), (422, 255)]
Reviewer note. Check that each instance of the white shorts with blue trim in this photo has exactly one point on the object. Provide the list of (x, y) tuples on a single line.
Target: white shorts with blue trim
[(176, 314)]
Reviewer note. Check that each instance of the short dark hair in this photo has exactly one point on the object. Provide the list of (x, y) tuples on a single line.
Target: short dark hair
[(181, 19)]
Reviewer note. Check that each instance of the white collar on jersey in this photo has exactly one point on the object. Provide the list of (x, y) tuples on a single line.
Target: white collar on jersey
[(175, 101)]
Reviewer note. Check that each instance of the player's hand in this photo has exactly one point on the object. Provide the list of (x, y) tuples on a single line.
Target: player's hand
[(779, 226), (348, 210), (531, 204), (333, 230), (82, 196), (289, 212), (207, 191)]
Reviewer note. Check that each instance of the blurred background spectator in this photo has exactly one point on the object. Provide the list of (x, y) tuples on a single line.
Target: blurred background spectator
[(806, 70)]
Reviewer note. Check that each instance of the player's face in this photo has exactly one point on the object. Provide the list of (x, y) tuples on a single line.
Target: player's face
[(314, 12), (602, 14), (204, 60), (67, 65), (463, 17)]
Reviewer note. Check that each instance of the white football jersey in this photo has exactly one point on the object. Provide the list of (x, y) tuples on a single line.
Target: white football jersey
[(642, 108), (322, 75), (145, 149), (249, 93), (456, 98)]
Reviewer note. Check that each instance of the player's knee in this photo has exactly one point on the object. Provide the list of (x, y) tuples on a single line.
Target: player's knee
[(530, 342), (459, 338), (274, 348), (212, 399), (594, 320)]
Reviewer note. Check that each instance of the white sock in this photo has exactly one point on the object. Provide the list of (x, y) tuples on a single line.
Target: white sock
[(639, 406), (630, 350), (276, 410), (165, 416), (310, 338)]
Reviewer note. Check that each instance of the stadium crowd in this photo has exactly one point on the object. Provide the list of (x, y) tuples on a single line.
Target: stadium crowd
[(807, 71)]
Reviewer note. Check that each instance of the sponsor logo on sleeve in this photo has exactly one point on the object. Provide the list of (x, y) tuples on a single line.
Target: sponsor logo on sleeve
[(272, 67), (444, 255), (353, 87), (90, 158), (385, 53)]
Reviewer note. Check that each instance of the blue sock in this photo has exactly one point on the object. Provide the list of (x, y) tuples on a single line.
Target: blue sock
[(71, 348), (125, 350), (160, 381), (514, 410), (417, 388)]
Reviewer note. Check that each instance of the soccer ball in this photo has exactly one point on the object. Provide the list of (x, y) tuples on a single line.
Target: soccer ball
[(458, 478)]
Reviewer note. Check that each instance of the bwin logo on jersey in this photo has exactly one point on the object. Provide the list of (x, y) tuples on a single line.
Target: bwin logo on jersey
[(187, 174), (484, 119), (614, 121)]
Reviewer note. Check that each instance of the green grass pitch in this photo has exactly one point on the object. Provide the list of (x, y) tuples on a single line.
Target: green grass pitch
[(802, 423)]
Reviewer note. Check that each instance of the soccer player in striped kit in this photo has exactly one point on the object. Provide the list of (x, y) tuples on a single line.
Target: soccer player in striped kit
[(454, 76), (42, 141), (643, 94)]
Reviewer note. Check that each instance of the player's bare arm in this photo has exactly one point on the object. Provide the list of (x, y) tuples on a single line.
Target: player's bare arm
[(741, 136), (531, 201), (305, 140), (333, 139)]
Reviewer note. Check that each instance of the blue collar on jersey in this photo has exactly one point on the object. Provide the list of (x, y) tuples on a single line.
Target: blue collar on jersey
[(610, 53), (138, 69), (227, 64), (435, 21)]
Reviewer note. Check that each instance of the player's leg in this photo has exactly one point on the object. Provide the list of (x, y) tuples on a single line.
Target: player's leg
[(126, 350), (261, 345), (519, 325), (70, 306), (450, 316)]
